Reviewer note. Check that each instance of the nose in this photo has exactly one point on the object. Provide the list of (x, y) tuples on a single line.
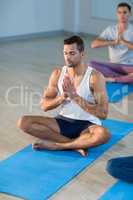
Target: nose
[(67, 56)]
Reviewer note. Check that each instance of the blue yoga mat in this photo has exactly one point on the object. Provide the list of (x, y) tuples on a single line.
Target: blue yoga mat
[(119, 191), (116, 91), (36, 175)]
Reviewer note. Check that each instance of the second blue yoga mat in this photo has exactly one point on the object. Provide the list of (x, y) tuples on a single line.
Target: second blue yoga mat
[(36, 175), (119, 191), (116, 91)]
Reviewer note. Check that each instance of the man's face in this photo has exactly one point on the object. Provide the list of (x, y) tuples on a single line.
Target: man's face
[(123, 14), (72, 55)]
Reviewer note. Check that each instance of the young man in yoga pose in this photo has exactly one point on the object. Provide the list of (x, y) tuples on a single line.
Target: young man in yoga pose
[(119, 40), (80, 90)]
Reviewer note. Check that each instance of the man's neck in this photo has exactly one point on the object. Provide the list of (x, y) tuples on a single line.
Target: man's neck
[(77, 70), (122, 26)]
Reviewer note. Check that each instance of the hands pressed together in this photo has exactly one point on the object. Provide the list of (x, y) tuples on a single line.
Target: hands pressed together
[(120, 39), (69, 87)]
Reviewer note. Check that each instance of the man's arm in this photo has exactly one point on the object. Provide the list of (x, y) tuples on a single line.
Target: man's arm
[(50, 99), (100, 108), (127, 43), (105, 39), (98, 42)]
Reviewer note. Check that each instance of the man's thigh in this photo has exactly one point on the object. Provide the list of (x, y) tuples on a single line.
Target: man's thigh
[(96, 131), (90, 129), (49, 122)]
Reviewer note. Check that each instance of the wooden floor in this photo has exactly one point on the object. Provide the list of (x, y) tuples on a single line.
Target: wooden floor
[(24, 70)]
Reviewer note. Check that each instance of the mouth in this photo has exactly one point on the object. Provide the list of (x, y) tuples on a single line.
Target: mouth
[(124, 19), (70, 65)]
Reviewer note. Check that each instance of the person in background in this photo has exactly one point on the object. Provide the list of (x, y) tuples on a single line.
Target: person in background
[(119, 40)]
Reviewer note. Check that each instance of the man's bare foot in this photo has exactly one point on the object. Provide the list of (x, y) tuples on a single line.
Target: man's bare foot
[(83, 152), (45, 144), (50, 145)]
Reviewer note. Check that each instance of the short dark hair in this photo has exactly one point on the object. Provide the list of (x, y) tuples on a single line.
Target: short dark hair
[(124, 4), (75, 39)]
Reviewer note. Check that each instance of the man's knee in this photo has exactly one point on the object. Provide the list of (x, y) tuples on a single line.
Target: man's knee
[(102, 134), (23, 123)]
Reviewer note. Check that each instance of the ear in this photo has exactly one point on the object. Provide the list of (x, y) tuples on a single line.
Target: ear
[(130, 14), (82, 53)]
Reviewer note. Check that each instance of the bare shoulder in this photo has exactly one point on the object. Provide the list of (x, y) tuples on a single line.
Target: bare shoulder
[(54, 76), (97, 79), (56, 72)]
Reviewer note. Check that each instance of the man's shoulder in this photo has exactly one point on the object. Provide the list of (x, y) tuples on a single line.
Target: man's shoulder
[(130, 27), (54, 77), (96, 79), (93, 70), (96, 75), (111, 27), (56, 72), (109, 30)]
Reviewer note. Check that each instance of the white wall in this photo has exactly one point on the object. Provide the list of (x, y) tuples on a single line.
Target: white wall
[(18, 17), (89, 24), (77, 17), (71, 15)]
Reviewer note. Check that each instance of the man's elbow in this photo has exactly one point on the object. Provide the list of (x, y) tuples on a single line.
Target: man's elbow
[(93, 45), (44, 107), (104, 114)]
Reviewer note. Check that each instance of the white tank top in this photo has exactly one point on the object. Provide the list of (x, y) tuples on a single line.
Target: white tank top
[(70, 108)]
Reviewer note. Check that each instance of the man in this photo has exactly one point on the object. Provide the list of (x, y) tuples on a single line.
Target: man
[(119, 40), (80, 90)]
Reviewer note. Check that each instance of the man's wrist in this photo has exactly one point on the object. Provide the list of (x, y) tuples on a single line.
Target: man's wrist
[(112, 42), (124, 42), (74, 95), (60, 99)]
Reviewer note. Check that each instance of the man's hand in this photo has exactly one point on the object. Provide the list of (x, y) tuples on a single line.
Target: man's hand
[(47, 103), (117, 41), (69, 87), (123, 41), (119, 38), (61, 98), (128, 44)]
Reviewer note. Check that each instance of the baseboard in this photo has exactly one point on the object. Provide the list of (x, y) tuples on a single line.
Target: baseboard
[(31, 36), (82, 34), (42, 35)]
